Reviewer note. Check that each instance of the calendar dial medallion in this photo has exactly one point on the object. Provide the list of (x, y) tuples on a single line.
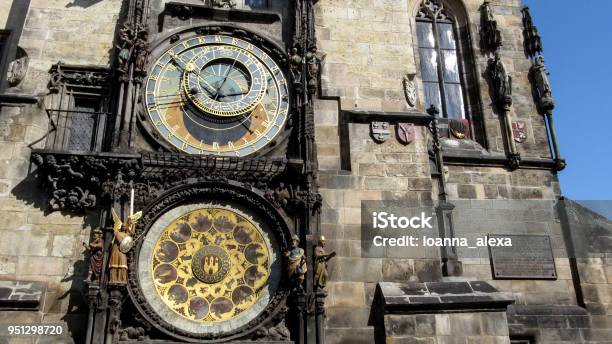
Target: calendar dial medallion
[(209, 268), (218, 95)]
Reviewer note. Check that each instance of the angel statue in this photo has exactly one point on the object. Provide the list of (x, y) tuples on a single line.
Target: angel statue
[(122, 244)]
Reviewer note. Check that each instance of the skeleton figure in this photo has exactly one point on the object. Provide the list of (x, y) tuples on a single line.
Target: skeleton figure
[(122, 244)]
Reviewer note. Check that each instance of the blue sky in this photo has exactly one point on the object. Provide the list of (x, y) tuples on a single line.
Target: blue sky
[(578, 49)]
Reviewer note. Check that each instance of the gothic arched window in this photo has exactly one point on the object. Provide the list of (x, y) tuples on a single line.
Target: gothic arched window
[(440, 67)]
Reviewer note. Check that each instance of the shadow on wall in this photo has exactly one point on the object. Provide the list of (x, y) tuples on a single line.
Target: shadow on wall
[(82, 3), (76, 314)]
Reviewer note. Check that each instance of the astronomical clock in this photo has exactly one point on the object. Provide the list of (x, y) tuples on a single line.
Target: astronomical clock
[(215, 94), (212, 267), (202, 169)]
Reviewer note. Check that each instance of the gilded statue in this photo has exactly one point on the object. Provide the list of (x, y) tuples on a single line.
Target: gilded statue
[(321, 258), (296, 267), (122, 244)]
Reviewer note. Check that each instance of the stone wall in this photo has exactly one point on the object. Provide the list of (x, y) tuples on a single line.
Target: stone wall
[(36, 245), (369, 47), (5, 7)]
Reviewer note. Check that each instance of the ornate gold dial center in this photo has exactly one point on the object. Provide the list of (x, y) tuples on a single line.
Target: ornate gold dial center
[(210, 264)]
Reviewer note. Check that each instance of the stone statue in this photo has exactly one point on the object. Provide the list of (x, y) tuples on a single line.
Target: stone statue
[(141, 52), (122, 244), (533, 41), (96, 257), (314, 63), (18, 68), (296, 267), (296, 66), (501, 82), (542, 84), (491, 36), (125, 47), (321, 259)]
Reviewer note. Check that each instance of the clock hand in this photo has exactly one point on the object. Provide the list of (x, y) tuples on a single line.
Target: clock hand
[(234, 94), (225, 79)]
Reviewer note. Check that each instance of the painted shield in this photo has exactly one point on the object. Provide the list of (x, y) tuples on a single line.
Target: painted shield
[(380, 131), (459, 128), (406, 133), (519, 131)]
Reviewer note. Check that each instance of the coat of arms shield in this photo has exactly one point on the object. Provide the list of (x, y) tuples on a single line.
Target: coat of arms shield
[(519, 131), (380, 131), (406, 133)]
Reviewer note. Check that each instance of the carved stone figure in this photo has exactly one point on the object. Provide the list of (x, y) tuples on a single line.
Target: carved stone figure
[(18, 68), (122, 244), (314, 63), (321, 259), (533, 41), (224, 3), (279, 197), (296, 67), (96, 257), (410, 89), (132, 333), (501, 82), (125, 46), (542, 84), (277, 330), (491, 36), (296, 267), (141, 52)]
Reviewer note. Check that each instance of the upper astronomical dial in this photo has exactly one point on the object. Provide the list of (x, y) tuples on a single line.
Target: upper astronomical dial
[(217, 95), (225, 81)]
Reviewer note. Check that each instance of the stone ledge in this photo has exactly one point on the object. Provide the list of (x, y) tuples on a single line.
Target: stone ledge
[(440, 297), (232, 342), (21, 295)]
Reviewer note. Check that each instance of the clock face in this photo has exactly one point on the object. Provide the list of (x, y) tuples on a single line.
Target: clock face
[(217, 94), (209, 268)]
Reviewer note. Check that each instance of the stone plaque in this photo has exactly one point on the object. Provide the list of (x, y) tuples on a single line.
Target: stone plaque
[(529, 257)]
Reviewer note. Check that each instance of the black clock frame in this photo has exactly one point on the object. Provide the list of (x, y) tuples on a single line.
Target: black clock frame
[(236, 193), (268, 45)]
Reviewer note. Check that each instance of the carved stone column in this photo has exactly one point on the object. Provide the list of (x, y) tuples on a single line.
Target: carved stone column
[(320, 296), (93, 297), (451, 266), (501, 92), (115, 304)]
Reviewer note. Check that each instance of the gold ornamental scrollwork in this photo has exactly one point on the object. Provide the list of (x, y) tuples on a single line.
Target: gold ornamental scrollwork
[(210, 265)]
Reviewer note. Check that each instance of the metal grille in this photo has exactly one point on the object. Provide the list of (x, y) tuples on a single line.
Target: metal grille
[(82, 131), (76, 130)]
